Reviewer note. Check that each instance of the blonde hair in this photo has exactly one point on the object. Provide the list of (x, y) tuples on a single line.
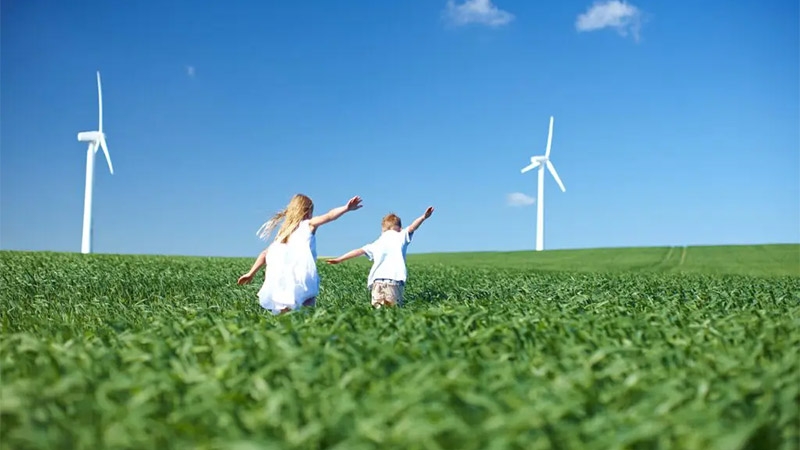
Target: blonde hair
[(389, 221), (300, 208)]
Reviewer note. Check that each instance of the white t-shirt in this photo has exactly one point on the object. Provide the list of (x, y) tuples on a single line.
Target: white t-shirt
[(388, 256)]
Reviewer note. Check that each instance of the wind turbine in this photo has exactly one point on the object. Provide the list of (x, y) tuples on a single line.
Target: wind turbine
[(540, 162), (96, 139)]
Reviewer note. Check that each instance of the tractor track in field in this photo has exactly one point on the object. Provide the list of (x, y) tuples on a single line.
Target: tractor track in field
[(666, 263), (668, 255)]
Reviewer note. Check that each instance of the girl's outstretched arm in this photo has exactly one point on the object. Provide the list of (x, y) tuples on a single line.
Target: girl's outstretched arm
[(349, 255), (261, 260), (351, 205)]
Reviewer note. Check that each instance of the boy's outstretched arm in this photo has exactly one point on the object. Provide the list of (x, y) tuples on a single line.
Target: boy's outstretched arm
[(351, 205), (261, 260), (418, 221), (349, 255)]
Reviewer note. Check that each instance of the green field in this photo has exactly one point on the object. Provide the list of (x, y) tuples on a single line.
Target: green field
[(695, 348), (759, 260)]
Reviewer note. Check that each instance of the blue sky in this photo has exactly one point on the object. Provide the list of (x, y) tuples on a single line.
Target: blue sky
[(676, 123)]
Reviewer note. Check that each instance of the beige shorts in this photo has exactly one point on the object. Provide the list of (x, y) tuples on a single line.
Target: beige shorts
[(387, 293)]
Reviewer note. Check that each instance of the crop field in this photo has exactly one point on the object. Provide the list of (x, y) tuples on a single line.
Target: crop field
[(694, 348)]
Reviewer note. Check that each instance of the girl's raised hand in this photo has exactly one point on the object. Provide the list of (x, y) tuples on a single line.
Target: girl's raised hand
[(354, 203)]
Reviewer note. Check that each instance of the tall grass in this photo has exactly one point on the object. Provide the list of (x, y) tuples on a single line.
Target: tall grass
[(153, 352)]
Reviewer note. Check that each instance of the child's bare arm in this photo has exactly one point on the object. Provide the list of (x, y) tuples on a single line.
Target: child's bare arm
[(261, 260), (349, 255), (418, 221), (351, 205)]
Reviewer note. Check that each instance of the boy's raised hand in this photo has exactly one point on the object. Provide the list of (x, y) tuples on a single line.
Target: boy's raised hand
[(418, 221), (333, 261)]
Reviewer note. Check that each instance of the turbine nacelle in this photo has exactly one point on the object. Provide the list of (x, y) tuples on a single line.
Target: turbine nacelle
[(540, 164), (90, 136), (536, 161)]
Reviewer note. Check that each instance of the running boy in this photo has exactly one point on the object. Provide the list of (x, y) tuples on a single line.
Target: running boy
[(387, 277)]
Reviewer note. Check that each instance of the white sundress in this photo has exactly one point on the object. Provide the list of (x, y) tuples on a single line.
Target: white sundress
[(291, 275)]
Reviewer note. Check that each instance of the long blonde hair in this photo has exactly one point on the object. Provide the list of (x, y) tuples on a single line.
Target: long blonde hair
[(300, 208)]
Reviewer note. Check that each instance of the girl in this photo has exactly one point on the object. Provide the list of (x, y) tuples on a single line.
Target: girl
[(291, 277)]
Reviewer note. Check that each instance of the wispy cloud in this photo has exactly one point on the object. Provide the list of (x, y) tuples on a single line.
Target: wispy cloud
[(477, 11), (622, 16), (519, 199), (190, 71)]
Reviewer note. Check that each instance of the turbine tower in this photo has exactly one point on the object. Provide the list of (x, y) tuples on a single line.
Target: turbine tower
[(541, 161), (96, 139)]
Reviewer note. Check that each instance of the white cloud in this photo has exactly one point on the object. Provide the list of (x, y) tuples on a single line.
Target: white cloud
[(519, 199), (617, 14), (190, 71), (477, 11)]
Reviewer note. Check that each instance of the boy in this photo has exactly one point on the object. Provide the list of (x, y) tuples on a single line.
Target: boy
[(387, 277)]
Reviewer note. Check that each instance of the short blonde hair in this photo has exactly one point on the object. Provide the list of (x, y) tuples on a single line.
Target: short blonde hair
[(390, 220)]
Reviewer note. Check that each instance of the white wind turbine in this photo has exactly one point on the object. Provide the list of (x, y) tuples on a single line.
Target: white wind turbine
[(96, 139), (540, 162)]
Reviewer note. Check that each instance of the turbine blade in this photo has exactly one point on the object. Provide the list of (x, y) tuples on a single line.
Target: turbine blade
[(108, 158), (530, 167), (99, 103), (552, 169), (549, 138)]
